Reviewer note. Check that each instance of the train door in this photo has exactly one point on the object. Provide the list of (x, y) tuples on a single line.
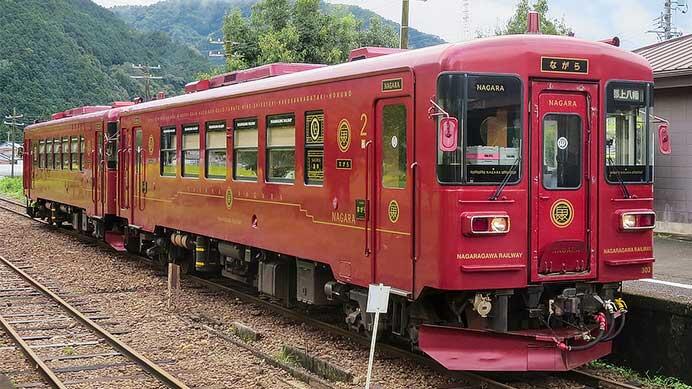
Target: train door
[(139, 174), (124, 185), (98, 174), (563, 170), (393, 188)]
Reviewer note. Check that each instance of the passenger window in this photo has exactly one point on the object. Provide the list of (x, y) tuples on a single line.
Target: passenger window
[(216, 150), (562, 154), (34, 155), (42, 153), (81, 153), (65, 153), (245, 139), (281, 148), (168, 151), (314, 148), (394, 146), (191, 151), (49, 154), (74, 154), (57, 154)]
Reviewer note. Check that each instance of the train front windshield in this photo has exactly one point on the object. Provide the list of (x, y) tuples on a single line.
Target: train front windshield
[(489, 145), (628, 143)]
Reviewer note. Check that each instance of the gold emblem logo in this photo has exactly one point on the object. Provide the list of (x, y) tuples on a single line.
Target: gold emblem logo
[(151, 145), (344, 135), (229, 198), (393, 211), (562, 213), (315, 129)]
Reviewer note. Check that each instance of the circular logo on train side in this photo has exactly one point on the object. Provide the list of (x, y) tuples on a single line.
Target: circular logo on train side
[(393, 211), (344, 137), (562, 213), (229, 198), (315, 129)]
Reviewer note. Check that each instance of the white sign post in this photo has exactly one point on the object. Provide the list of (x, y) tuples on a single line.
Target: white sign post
[(378, 301)]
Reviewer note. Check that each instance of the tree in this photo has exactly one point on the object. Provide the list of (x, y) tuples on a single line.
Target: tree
[(300, 31), (518, 23)]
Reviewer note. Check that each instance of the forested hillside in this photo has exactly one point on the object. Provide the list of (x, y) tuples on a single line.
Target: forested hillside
[(59, 54), (194, 21)]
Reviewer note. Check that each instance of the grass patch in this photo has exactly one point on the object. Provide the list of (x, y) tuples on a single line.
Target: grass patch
[(12, 187), (68, 350), (650, 381), (285, 357)]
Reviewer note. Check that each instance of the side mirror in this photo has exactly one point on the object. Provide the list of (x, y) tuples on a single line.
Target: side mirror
[(664, 139), (449, 134)]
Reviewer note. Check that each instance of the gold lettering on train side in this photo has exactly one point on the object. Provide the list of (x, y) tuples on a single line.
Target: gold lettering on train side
[(259, 104), (562, 103), (626, 250), (343, 218), (392, 85), (490, 255), (497, 88)]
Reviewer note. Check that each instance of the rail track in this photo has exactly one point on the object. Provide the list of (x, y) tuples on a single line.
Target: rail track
[(68, 346), (482, 380)]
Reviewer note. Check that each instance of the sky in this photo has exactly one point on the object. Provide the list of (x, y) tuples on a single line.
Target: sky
[(590, 19)]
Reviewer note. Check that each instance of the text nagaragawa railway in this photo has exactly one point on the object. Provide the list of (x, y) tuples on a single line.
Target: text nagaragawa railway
[(494, 185)]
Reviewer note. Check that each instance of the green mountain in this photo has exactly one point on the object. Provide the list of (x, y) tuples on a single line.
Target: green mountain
[(195, 21), (59, 54)]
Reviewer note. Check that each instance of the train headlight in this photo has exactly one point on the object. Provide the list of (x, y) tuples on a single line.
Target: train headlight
[(499, 224), (629, 221), (637, 220), (476, 224)]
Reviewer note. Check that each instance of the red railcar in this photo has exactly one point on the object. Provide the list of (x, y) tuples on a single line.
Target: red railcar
[(505, 242)]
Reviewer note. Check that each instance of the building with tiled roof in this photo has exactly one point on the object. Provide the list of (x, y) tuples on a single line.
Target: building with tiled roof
[(671, 61)]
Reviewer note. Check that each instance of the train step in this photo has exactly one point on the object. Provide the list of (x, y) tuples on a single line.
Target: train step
[(115, 240)]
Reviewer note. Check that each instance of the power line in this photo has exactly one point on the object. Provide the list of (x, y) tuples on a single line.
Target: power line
[(664, 24), (10, 135), (147, 77)]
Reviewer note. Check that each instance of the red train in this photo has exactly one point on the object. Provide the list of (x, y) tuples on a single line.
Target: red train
[(502, 187)]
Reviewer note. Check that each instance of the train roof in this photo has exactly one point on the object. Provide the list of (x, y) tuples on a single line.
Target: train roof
[(497, 49), (513, 52)]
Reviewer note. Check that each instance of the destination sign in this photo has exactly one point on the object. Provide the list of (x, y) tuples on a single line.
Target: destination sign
[(564, 65), (629, 95)]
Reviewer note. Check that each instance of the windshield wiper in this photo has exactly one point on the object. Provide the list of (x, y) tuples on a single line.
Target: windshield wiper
[(505, 180), (625, 191)]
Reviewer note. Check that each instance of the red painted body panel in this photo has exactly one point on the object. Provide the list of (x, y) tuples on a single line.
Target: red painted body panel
[(412, 238)]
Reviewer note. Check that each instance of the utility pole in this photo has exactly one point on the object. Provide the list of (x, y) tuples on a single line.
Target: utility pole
[(13, 125), (147, 77), (466, 19), (405, 7), (404, 24), (664, 23)]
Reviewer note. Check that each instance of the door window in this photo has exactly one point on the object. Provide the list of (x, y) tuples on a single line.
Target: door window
[(394, 146), (562, 151)]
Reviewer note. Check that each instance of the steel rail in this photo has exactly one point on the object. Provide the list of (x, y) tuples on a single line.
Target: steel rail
[(45, 371), (595, 381), (147, 365)]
